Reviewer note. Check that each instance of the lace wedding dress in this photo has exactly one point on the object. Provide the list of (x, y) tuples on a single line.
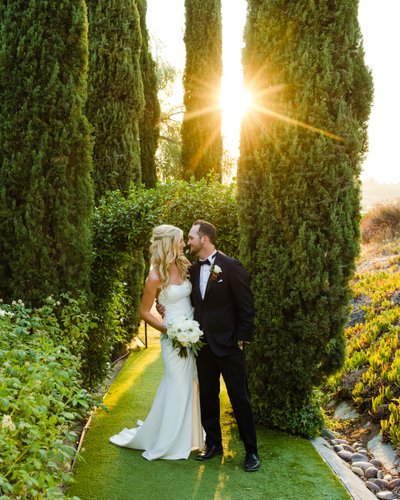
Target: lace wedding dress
[(173, 427)]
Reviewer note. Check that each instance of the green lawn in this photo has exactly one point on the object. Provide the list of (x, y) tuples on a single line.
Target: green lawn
[(291, 468)]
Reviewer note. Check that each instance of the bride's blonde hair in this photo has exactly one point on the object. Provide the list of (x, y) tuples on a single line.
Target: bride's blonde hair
[(165, 251)]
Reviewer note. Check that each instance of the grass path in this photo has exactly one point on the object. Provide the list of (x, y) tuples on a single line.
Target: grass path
[(291, 468)]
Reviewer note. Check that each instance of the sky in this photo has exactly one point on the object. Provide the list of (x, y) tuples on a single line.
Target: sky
[(379, 22)]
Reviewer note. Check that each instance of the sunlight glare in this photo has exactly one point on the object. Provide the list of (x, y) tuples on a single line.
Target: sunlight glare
[(235, 102)]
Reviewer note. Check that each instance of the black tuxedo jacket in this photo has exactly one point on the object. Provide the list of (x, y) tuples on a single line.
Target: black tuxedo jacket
[(226, 313)]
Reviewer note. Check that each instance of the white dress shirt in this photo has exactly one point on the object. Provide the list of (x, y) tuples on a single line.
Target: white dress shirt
[(205, 274)]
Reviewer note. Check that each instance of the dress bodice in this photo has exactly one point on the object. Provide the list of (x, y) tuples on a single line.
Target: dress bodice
[(176, 299)]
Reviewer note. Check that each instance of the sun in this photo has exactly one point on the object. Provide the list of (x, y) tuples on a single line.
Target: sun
[(235, 102)]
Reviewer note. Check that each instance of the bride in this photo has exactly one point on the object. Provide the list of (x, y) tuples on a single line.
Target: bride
[(173, 427)]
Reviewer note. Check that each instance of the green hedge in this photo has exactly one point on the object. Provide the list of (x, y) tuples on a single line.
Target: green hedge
[(41, 399)]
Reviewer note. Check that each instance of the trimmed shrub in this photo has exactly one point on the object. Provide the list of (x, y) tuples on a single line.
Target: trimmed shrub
[(298, 196), (201, 127), (115, 93), (45, 150), (149, 122)]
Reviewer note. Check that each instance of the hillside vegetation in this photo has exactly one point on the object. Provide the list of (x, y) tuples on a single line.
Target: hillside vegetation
[(370, 377)]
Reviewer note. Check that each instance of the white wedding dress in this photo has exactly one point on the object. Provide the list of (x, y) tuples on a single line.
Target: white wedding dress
[(173, 428)]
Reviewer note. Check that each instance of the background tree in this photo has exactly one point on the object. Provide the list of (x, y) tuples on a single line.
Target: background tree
[(301, 151), (201, 127), (149, 122), (168, 157), (45, 185), (115, 93)]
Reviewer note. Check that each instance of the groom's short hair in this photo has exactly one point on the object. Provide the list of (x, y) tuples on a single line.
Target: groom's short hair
[(206, 229)]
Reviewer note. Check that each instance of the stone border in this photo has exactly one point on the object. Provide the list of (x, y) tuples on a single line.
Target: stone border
[(354, 485)]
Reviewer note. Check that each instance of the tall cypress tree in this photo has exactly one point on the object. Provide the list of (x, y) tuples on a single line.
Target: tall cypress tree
[(201, 127), (115, 93), (45, 152), (149, 123), (301, 150)]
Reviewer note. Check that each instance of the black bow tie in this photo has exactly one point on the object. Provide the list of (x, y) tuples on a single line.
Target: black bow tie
[(202, 262)]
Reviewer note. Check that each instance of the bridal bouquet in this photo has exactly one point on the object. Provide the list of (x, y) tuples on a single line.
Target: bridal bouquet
[(184, 333)]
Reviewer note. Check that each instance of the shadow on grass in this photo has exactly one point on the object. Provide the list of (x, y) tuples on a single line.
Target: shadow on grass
[(291, 468)]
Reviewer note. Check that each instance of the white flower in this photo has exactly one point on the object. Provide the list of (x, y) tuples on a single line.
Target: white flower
[(194, 335), (2, 313), (7, 423), (183, 338), (217, 270), (184, 333)]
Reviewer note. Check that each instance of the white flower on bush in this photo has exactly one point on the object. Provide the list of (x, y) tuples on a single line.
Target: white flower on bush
[(7, 423), (6, 313), (184, 333)]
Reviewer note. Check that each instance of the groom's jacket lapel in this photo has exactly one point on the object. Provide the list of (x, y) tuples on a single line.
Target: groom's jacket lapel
[(217, 262), (196, 281)]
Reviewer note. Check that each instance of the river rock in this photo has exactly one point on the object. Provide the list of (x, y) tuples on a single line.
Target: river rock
[(327, 433), (363, 451), (388, 477), (345, 412), (345, 455), (362, 465), (385, 495), (376, 462), (357, 444), (372, 486), (357, 471), (384, 452), (394, 484), (380, 474), (383, 485), (348, 447), (359, 457), (338, 447), (371, 472), (339, 441)]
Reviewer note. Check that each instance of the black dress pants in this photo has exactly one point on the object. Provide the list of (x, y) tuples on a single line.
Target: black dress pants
[(234, 373)]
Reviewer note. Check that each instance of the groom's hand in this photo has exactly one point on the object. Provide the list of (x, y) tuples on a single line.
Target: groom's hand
[(160, 309), (242, 343)]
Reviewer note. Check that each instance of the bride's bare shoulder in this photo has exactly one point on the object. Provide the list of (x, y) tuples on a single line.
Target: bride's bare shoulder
[(153, 278)]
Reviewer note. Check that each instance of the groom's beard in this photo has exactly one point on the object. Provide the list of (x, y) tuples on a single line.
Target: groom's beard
[(194, 252)]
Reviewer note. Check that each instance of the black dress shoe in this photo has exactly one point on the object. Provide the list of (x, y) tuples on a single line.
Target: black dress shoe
[(251, 462), (210, 452)]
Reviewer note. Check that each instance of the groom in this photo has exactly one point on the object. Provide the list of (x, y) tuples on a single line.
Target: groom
[(223, 305)]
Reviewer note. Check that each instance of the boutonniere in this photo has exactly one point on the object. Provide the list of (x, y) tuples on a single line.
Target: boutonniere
[(215, 271)]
